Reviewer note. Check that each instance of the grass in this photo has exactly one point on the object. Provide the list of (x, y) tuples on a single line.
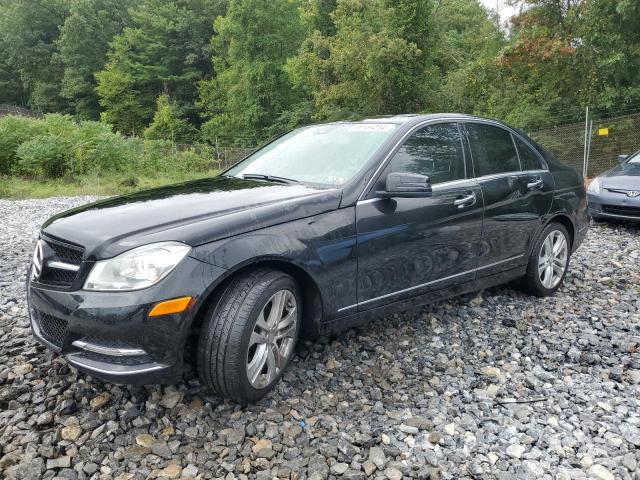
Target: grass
[(20, 188)]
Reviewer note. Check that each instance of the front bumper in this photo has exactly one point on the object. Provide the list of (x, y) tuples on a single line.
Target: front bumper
[(613, 205), (109, 335)]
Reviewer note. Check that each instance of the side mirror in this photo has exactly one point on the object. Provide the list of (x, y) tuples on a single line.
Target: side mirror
[(622, 158), (406, 185)]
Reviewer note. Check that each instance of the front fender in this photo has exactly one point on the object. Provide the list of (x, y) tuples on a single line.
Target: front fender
[(323, 246)]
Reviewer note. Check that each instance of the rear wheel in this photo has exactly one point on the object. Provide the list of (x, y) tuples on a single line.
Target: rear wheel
[(249, 335), (548, 262)]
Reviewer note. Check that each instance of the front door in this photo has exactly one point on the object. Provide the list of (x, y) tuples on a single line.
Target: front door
[(409, 246)]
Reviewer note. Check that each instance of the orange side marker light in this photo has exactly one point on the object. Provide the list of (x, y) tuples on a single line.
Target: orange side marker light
[(176, 305)]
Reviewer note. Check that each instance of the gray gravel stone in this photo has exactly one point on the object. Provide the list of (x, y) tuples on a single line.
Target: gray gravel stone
[(59, 462), (443, 392)]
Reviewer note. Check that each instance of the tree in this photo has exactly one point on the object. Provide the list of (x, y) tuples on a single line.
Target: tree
[(376, 62), (316, 16), (610, 54), (28, 31), (83, 44), (166, 50), (466, 40), (167, 124), (539, 66), (250, 89), (122, 107)]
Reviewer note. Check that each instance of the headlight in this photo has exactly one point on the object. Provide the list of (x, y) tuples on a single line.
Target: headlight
[(138, 268), (594, 186)]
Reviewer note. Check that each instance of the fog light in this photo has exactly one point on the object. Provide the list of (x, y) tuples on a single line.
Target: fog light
[(176, 305)]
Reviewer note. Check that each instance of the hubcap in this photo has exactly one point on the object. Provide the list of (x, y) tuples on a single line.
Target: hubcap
[(272, 339), (552, 260)]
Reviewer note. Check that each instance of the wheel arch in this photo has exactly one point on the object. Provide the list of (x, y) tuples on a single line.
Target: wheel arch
[(312, 302), (564, 220)]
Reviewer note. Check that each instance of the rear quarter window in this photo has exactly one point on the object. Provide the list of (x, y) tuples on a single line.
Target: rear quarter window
[(528, 158)]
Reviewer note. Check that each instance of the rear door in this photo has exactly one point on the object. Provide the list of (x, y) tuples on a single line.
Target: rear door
[(514, 200), (538, 182), (409, 246)]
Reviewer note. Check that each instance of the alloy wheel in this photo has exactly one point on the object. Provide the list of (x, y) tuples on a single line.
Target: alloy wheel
[(272, 339), (552, 260)]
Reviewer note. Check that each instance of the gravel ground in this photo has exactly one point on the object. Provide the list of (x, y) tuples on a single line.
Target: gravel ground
[(495, 385)]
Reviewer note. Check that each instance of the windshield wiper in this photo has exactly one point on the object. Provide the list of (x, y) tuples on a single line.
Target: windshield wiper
[(271, 178)]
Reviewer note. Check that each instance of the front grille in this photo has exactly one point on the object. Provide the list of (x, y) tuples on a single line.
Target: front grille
[(53, 329), (55, 276), (622, 210), (65, 253)]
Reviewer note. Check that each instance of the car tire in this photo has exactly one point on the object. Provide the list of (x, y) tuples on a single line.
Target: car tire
[(243, 350), (545, 272)]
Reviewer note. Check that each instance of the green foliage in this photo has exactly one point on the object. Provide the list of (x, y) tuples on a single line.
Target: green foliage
[(610, 54), (466, 42), (28, 32), (14, 131), (82, 44), (43, 155), (237, 72), (165, 50), (120, 100), (57, 146), (250, 89), (167, 124), (392, 74)]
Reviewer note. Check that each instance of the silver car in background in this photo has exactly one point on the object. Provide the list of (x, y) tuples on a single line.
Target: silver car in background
[(615, 194)]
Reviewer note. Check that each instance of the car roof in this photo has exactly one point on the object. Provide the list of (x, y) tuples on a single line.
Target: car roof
[(411, 118)]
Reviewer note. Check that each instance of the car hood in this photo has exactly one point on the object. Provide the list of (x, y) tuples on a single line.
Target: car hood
[(625, 177), (195, 213)]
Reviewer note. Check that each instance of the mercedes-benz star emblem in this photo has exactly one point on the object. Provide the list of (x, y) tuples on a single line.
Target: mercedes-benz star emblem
[(633, 193), (38, 256)]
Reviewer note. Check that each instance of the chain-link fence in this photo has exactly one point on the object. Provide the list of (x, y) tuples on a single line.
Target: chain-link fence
[(221, 157), (13, 110), (605, 139)]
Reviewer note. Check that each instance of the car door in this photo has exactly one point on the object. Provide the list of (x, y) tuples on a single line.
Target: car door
[(409, 246), (538, 186), (514, 200)]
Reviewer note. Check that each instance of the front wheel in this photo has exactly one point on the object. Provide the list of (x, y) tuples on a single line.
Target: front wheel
[(548, 262), (249, 335)]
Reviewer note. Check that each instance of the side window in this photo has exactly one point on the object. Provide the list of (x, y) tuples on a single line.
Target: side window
[(435, 150), (528, 159), (492, 149)]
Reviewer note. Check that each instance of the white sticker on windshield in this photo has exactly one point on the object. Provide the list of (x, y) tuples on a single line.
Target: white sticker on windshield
[(335, 180), (371, 127)]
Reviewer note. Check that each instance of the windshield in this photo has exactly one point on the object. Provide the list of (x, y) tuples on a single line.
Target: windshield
[(321, 154), (635, 158)]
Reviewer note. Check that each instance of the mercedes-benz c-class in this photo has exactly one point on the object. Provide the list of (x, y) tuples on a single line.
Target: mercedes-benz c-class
[(320, 230)]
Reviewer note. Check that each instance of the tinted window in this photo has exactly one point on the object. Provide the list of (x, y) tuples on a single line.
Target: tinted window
[(435, 151), (492, 150), (528, 159)]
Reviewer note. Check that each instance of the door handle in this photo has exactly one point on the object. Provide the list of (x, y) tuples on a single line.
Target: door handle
[(465, 201), (537, 183)]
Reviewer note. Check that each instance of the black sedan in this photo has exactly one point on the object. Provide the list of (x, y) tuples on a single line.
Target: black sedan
[(322, 229), (616, 193)]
